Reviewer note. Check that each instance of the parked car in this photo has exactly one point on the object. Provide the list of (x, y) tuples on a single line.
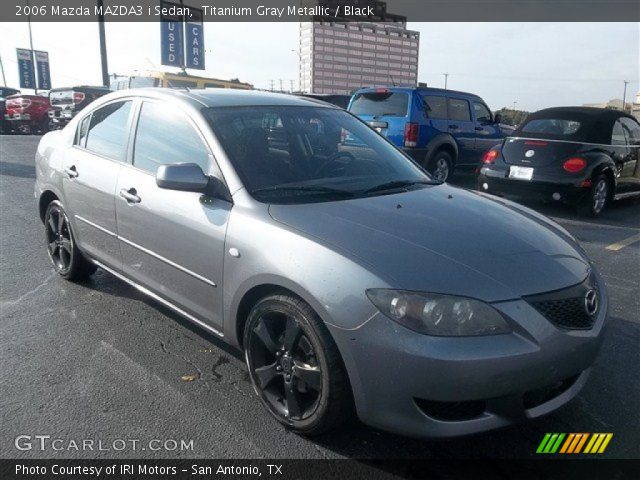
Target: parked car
[(5, 92), (439, 129), (339, 100), (27, 113), (583, 156), (349, 277), (66, 102)]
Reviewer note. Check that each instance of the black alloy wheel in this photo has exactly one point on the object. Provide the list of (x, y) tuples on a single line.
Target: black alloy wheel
[(294, 365), (67, 260)]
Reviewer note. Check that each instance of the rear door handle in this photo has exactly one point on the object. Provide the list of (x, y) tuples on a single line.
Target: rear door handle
[(479, 129), (453, 127), (71, 171), (130, 195)]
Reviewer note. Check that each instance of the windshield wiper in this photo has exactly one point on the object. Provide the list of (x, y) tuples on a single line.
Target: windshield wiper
[(305, 189), (395, 184)]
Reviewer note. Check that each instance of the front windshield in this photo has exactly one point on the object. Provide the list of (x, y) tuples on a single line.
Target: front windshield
[(292, 154)]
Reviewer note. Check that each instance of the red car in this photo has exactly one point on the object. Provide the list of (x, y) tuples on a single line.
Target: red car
[(27, 113)]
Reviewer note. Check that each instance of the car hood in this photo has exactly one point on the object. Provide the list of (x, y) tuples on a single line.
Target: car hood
[(444, 239)]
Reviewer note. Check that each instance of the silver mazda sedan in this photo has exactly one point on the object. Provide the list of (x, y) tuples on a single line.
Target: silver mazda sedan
[(354, 283)]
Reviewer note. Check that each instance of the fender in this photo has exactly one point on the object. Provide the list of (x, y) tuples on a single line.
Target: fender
[(231, 308), (440, 140), (602, 163)]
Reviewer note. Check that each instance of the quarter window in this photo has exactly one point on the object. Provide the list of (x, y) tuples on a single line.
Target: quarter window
[(436, 107), (617, 135), (109, 130), (459, 110), (166, 137), (81, 136), (482, 112)]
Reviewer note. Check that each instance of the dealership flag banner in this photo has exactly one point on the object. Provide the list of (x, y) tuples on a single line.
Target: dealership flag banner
[(195, 40), (25, 68), (171, 35), (42, 67)]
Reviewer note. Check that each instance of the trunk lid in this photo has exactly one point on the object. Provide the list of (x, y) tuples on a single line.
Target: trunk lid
[(537, 152)]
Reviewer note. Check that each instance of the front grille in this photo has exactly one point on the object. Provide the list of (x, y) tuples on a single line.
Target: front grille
[(566, 313), (566, 308)]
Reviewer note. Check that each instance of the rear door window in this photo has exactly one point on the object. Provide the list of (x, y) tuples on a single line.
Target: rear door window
[(459, 110), (436, 107), (632, 129), (390, 104), (109, 130)]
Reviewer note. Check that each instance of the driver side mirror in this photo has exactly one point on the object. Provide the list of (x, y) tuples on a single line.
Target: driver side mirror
[(497, 118), (189, 177)]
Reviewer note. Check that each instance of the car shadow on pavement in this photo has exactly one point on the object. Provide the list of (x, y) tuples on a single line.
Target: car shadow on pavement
[(17, 170)]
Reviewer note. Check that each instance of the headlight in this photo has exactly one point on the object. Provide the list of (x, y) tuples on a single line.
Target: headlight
[(439, 315)]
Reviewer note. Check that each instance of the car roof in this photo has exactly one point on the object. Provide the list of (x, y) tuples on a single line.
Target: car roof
[(597, 123), (226, 97), (421, 90)]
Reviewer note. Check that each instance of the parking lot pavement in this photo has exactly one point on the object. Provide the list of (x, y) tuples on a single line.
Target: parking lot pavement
[(97, 360)]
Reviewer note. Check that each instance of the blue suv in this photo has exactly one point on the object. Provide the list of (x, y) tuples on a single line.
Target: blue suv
[(439, 129)]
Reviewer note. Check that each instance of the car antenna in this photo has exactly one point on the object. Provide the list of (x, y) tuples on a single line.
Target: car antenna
[(393, 82)]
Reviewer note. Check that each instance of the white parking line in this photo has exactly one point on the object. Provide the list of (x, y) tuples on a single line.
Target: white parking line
[(578, 223), (614, 247)]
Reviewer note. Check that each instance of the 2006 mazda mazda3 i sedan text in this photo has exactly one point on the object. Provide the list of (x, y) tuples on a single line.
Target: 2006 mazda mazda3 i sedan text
[(351, 279)]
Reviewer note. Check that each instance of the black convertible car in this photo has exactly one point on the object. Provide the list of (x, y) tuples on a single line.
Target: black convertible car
[(579, 155)]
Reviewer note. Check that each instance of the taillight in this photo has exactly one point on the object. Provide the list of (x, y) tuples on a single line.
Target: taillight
[(19, 103), (574, 165), (490, 156), (78, 97), (411, 134)]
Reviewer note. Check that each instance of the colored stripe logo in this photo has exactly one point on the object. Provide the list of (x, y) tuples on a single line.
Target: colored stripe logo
[(592, 443)]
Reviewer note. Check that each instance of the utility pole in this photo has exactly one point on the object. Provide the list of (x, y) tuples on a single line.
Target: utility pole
[(33, 60), (103, 45), (446, 77), (281, 84), (624, 96)]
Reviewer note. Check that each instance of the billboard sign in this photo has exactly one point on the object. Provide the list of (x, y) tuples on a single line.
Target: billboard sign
[(171, 35), (25, 68), (194, 44), (42, 67)]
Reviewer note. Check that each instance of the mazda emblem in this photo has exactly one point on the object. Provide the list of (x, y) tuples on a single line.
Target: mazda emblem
[(591, 302)]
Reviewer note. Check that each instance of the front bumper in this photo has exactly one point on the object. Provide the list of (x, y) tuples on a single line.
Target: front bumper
[(430, 387), (495, 182)]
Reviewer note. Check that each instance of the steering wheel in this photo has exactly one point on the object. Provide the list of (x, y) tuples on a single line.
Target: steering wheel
[(334, 159)]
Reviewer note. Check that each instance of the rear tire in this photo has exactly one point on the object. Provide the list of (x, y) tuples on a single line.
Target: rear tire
[(440, 166), (295, 366), (596, 199), (67, 260)]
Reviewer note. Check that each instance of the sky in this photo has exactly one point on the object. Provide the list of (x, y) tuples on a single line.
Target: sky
[(536, 65)]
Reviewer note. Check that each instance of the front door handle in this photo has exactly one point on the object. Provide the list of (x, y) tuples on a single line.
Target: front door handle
[(130, 195), (71, 171), (453, 127), (479, 129)]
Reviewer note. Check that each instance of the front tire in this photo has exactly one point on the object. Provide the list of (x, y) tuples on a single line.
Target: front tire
[(295, 366), (63, 252), (597, 199), (440, 166)]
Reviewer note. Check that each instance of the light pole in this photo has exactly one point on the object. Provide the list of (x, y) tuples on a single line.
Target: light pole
[(32, 53), (103, 45), (4, 80), (446, 77)]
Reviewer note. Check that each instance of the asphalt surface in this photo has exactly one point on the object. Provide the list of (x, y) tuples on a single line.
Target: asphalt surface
[(97, 360)]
